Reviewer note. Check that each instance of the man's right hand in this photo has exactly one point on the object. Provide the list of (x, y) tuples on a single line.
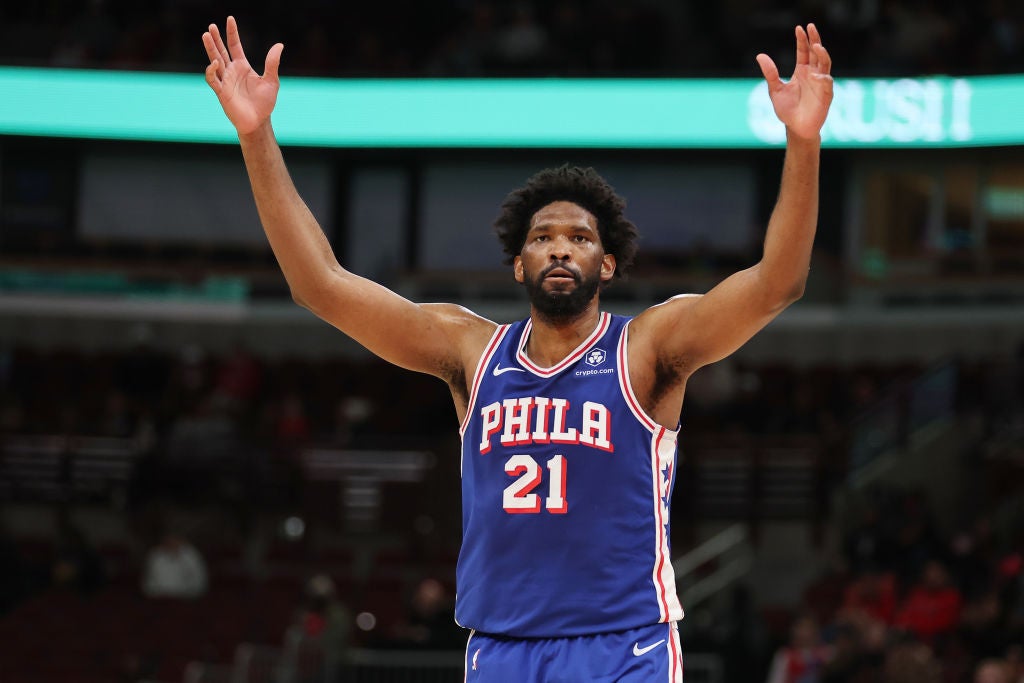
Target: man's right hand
[(247, 97)]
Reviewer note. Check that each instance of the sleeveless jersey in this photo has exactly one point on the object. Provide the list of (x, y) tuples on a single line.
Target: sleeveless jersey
[(566, 488)]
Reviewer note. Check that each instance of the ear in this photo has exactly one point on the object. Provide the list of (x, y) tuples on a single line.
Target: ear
[(607, 267), (517, 269)]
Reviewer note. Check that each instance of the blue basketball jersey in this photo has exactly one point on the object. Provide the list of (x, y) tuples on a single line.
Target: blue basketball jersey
[(566, 488)]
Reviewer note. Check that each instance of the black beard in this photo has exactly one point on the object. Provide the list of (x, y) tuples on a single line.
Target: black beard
[(558, 306)]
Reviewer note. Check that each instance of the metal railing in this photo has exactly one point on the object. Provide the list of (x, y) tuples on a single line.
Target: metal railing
[(729, 550)]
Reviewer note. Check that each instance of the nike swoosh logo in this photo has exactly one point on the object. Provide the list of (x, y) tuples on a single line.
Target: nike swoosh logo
[(498, 370), (638, 651)]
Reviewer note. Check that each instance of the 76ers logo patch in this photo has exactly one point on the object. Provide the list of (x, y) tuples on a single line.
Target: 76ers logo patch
[(595, 357)]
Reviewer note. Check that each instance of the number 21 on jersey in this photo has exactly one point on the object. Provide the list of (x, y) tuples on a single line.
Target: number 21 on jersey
[(519, 498)]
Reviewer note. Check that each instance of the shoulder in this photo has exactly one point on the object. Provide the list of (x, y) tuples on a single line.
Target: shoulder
[(659, 338), (467, 333), (653, 323), (460, 321)]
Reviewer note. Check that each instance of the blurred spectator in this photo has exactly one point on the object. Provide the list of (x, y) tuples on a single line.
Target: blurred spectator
[(981, 625), (174, 569), (323, 618), (992, 671), (352, 415), (1015, 662), (203, 436), (916, 541), (578, 37), (970, 558), (430, 620), (522, 42), (239, 376), (825, 595), (911, 663), (932, 607), (896, 536), (859, 650), (292, 428), (873, 595), (805, 658), (191, 376)]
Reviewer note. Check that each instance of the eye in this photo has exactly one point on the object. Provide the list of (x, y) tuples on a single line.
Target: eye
[(541, 238), (580, 239)]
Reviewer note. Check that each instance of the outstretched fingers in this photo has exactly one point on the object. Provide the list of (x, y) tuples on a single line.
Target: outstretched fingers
[(820, 59), (813, 35), (234, 42), (273, 62), (770, 71), (824, 59), (211, 49), (803, 50), (218, 45), (215, 69)]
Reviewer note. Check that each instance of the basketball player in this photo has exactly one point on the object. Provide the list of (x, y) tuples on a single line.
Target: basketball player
[(569, 418)]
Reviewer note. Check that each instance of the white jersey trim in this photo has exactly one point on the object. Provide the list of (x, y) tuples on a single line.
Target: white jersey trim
[(478, 375), (626, 386), (602, 326), (663, 457), (465, 667), (675, 664)]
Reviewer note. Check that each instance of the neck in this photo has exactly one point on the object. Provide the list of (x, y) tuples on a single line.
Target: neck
[(551, 340)]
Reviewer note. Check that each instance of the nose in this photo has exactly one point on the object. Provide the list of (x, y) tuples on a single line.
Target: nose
[(560, 249)]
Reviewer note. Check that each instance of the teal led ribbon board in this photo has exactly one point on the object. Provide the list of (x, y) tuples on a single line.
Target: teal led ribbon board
[(581, 113)]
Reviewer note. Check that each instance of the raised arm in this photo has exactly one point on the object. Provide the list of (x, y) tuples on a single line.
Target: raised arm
[(441, 340), (690, 331)]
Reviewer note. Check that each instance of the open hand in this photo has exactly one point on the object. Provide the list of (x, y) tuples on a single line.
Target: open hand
[(802, 103), (247, 97)]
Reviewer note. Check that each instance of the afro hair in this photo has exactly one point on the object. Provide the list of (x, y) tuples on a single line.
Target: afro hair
[(581, 186)]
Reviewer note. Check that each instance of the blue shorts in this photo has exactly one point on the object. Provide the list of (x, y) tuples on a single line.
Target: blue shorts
[(640, 655)]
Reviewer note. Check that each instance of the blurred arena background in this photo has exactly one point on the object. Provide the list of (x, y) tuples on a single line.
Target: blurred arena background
[(201, 482)]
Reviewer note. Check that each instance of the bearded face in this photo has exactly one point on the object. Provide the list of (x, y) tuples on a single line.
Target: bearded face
[(562, 262), (561, 291)]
